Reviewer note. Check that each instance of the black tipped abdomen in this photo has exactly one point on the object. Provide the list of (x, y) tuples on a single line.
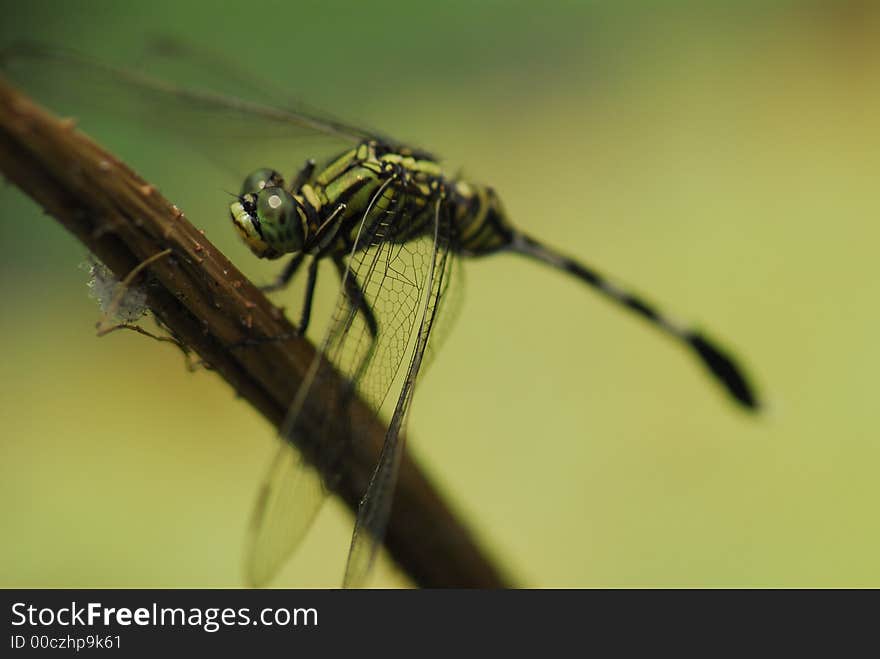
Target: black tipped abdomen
[(725, 369)]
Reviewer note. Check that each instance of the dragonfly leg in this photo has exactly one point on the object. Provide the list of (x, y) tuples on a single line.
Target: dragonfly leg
[(310, 294), (326, 233), (359, 304), (284, 279), (302, 176), (356, 295), (286, 275)]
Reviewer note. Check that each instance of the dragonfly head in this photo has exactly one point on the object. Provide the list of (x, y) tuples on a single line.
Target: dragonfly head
[(267, 217)]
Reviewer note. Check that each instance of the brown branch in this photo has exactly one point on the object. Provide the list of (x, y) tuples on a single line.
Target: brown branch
[(209, 306)]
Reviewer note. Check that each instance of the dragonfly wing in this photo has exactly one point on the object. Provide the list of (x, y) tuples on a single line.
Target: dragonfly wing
[(288, 502), (375, 508), (226, 130), (391, 278), (378, 308), (224, 74), (48, 60), (452, 299)]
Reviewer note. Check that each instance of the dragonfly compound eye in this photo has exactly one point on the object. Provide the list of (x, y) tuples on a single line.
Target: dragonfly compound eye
[(269, 222), (261, 178), (279, 221)]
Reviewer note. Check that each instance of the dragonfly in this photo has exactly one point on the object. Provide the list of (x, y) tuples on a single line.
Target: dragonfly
[(395, 224)]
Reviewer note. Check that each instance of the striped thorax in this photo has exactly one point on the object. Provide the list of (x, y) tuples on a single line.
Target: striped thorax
[(373, 189)]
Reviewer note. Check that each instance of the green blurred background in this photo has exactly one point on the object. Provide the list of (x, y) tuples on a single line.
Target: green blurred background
[(722, 157)]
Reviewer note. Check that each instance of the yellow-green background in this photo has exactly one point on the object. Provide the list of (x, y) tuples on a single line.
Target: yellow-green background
[(721, 156)]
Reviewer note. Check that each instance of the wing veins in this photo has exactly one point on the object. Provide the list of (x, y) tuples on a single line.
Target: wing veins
[(375, 508)]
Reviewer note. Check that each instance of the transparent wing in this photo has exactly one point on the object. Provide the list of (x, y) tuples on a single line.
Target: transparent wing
[(33, 63), (452, 299), (378, 308), (232, 134), (375, 508), (289, 500), (390, 279), (226, 76)]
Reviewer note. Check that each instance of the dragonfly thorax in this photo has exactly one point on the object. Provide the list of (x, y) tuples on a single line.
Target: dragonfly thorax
[(371, 190)]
